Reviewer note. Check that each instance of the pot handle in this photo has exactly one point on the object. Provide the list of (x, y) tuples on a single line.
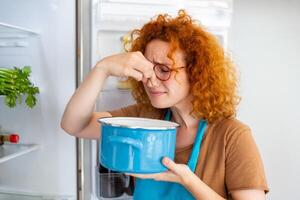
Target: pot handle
[(125, 140)]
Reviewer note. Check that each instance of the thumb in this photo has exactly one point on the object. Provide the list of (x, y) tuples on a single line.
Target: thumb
[(170, 164)]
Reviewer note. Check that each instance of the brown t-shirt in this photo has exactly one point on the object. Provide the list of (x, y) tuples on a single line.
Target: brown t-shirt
[(228, 160)]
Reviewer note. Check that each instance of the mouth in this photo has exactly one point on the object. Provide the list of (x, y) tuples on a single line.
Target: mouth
[(156, 93)]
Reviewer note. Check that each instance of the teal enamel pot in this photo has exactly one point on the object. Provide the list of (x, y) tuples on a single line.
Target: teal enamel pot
[(136, 145)]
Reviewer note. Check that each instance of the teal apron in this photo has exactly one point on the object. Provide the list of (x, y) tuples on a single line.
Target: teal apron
[(149, 189)]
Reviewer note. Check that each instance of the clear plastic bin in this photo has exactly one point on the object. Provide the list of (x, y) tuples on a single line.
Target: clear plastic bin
[(113, 186)]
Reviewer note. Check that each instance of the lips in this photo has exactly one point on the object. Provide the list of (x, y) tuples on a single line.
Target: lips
[(156, 93)]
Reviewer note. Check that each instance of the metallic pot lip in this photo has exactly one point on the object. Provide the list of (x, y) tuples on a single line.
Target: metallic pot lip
[(105, 120)]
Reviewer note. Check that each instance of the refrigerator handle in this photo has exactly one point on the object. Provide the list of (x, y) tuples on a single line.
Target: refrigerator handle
[(83, 62)]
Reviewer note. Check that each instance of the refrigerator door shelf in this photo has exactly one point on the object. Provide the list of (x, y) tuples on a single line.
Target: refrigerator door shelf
[(8, 31), (10, 151), (122, 15), (14, 44)]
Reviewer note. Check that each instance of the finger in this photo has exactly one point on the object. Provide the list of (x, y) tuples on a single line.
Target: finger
[(147, 72), (143, 65), (135, 74), (144, 61), (154, 80), (170, 164), (166, 176), (144, 80), (144, 176)]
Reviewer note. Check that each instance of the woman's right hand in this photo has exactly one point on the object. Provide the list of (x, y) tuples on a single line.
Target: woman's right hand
[(131, 64), (79, 118)]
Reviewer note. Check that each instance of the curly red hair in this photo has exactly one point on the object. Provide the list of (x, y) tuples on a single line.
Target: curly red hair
[(211, 73)]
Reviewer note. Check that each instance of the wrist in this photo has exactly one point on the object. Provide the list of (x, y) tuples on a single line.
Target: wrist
[(101, 67), (187, 179)]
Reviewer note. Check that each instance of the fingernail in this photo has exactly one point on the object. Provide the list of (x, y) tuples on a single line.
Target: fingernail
[(166, 160)]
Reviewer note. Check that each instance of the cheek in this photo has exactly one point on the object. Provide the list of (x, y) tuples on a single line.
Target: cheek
[(178, 82), (177, 86)]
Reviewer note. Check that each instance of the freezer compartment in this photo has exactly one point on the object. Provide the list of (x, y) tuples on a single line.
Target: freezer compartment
[(113, 185)]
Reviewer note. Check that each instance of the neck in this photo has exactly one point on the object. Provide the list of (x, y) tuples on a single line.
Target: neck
[(181, 115)]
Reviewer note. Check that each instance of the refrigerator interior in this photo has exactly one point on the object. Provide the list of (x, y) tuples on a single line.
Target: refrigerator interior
[(113, 19), (40, 34)]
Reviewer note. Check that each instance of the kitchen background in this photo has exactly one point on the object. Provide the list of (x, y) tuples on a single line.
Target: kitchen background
[(262, 36)]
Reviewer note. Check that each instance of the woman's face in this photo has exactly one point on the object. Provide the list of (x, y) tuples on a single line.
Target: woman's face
[(172, 92)]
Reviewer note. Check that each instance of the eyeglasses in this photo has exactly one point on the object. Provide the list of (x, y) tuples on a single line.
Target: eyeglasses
[(163, 72)]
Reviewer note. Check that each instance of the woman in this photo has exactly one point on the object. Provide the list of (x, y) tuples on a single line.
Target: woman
[(179, 72)]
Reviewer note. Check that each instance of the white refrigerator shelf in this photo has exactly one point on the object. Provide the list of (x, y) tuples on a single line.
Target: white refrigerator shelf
[(10, 151), (11, 31), (16, 195), (9, 196)]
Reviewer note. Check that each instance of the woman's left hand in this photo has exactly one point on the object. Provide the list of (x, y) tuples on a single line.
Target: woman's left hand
[(178, 173)]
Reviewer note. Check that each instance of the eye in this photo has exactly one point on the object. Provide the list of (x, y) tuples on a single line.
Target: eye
[(164, 68)]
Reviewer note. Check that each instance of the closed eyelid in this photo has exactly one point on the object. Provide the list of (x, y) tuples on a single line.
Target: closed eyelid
[(159, 63)]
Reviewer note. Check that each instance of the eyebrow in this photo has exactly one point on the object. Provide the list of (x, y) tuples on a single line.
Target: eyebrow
[(160, 63)]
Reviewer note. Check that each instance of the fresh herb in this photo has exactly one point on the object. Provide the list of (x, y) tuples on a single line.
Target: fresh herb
[(15, 82)]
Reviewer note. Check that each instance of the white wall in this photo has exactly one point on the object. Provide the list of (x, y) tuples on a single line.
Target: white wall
[(265, 42), (52, 169)]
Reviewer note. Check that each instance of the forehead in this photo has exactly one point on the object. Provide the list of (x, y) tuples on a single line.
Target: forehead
[(157, 50)]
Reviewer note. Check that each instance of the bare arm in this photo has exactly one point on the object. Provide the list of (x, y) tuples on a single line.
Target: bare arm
[(248, 194), (78, 113), (202, 191), (79, 118), (181, 173)]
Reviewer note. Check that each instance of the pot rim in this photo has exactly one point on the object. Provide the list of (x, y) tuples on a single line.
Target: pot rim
[(105, 121)]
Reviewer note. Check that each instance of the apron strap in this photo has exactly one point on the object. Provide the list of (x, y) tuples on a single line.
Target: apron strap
[(168, 115), (197, 144)]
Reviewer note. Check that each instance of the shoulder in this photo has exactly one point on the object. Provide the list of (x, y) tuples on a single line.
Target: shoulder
[(230, 129), (231, 124)]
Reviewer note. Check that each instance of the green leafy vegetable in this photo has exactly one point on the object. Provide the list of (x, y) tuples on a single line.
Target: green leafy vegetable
[(15, 82)]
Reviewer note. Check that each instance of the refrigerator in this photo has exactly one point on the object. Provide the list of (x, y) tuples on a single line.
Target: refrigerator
[(61, 41)]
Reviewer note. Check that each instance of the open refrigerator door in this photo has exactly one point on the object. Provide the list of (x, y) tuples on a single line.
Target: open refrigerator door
[(39, 34)]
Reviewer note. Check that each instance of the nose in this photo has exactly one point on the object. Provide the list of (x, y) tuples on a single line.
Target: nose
[(153, 82)]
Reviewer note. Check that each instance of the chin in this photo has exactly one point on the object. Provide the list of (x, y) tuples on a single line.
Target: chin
[(160, 105)]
